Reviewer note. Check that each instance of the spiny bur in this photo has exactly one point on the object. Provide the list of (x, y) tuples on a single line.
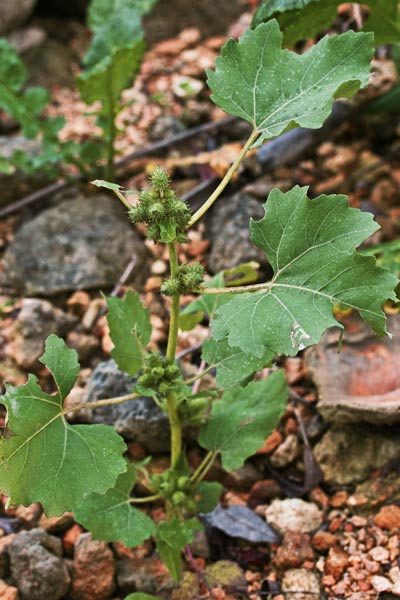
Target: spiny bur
[(166, 216)]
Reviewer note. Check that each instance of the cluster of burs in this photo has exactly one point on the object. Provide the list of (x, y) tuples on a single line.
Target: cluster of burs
[(167, 219)]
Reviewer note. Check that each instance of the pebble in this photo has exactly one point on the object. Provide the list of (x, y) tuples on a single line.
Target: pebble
[(293, 514), (379, 554), (381, 584), (93, 569), (8, 592), (294, 551), (336, 562), (287, 452), (388, 517), (323, 540), (296, 581)]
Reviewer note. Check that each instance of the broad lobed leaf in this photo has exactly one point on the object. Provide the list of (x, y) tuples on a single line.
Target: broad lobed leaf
[(303, 19), (111, 517), (275, 90), (42, 457), (243, 418), (311, 247), (130, 331)]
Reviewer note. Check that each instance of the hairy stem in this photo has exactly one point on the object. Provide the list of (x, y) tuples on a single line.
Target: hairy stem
[(98, 403), (218, 191), (172, 406)]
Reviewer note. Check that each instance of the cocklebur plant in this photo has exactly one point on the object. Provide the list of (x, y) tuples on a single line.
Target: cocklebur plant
[(311, 246)]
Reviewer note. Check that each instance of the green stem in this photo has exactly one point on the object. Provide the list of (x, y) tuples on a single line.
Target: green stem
[(204, 466), (218, 191), (144, 500), (174, 319), (121, 197), (106, 402), (198, 376), (172, 406)]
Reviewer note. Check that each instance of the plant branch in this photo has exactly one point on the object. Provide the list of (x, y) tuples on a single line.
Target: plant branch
[(204, 467), (98, 403), (144, 499), (172, 406), (121, 197), (218, 191), (198, 376), (174, 319)]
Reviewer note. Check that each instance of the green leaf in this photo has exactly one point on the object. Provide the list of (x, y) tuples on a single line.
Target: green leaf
[(303, 19), (130, 331), (100, 10), (111, 517), (233, 365), (210, 493), (12, 69), (101, 183), (243, 418), (171, 538), (310, 245), (276, 90), (42, 457), (107, 79)]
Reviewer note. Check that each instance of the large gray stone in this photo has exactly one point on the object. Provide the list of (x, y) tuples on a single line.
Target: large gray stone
[(137, 420), (14, 13), (82, 243), (37, 568), (228, 224)]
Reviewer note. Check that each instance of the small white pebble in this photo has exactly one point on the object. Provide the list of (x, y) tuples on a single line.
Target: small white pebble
[(381, 584), (379, 554)]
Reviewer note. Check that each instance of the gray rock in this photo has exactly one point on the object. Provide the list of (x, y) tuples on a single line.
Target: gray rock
[(37, 319), (83, 243), (228, 224), (137, 420), (164, 127), (348, 453), (14, 13), (130, 579), (301, 580), (293, 514), (37, 568)]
